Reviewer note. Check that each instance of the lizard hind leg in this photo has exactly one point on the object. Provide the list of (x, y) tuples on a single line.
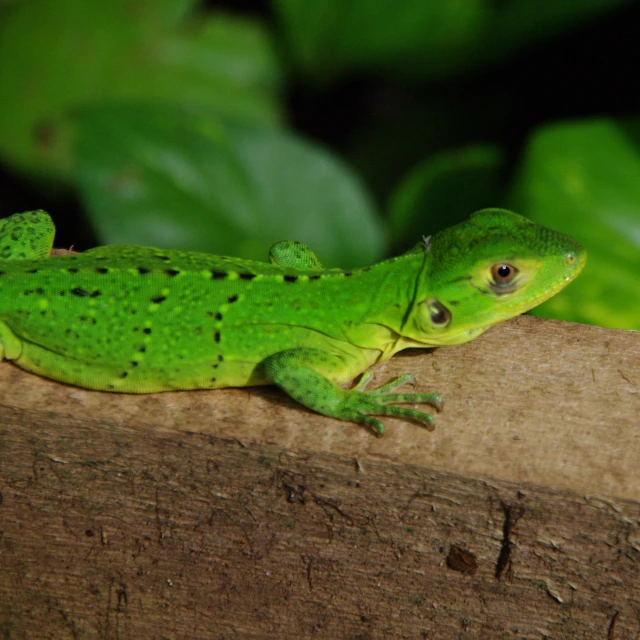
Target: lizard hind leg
[(302, 373), (10, 344), (26, 236)]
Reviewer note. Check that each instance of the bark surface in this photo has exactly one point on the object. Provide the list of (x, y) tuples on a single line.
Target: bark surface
[(238, 514)]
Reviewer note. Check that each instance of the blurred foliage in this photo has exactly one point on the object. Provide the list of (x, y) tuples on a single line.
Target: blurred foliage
[(441, 191), (584, 176), (234, 185), (167, 119), (417, 38), (60, 56)]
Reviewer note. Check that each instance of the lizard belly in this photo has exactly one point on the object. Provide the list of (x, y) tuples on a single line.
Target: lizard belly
[(234, 361), (124, 378)]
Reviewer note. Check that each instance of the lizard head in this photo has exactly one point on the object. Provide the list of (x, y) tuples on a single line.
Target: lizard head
[(491, 267)]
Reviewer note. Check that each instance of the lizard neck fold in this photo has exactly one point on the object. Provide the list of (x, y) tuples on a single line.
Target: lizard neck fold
[(391, 288)]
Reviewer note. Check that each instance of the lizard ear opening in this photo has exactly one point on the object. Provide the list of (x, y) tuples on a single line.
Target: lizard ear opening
[(439, 315)]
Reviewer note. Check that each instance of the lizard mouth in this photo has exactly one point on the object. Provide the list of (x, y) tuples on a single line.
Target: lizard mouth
[(575, 261)]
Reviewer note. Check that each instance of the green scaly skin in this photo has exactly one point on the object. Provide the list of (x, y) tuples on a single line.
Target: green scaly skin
[(141, 320)]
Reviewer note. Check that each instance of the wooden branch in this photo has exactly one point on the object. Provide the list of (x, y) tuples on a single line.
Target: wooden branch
[(238, 514)]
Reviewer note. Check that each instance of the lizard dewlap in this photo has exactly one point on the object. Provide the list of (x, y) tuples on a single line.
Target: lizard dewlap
[(139, 320)]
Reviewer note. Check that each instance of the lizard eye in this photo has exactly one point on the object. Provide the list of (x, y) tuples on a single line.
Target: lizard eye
[(439, 315), (503, 274)]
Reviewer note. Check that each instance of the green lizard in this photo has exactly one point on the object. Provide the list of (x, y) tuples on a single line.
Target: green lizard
[(139, 320)]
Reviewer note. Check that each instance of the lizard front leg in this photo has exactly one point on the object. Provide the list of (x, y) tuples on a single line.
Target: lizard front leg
[(290, 253), (299, 373)]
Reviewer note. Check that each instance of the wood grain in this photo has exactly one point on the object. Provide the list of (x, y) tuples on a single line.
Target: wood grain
[(237, 514)]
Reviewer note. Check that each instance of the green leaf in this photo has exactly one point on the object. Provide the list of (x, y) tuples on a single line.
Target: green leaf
[(329, 35), (182, 178), (419, 38), (444, 190), (61, 55), (583, 178)]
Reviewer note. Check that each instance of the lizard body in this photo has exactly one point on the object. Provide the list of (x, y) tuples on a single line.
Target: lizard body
[(141, 320)]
